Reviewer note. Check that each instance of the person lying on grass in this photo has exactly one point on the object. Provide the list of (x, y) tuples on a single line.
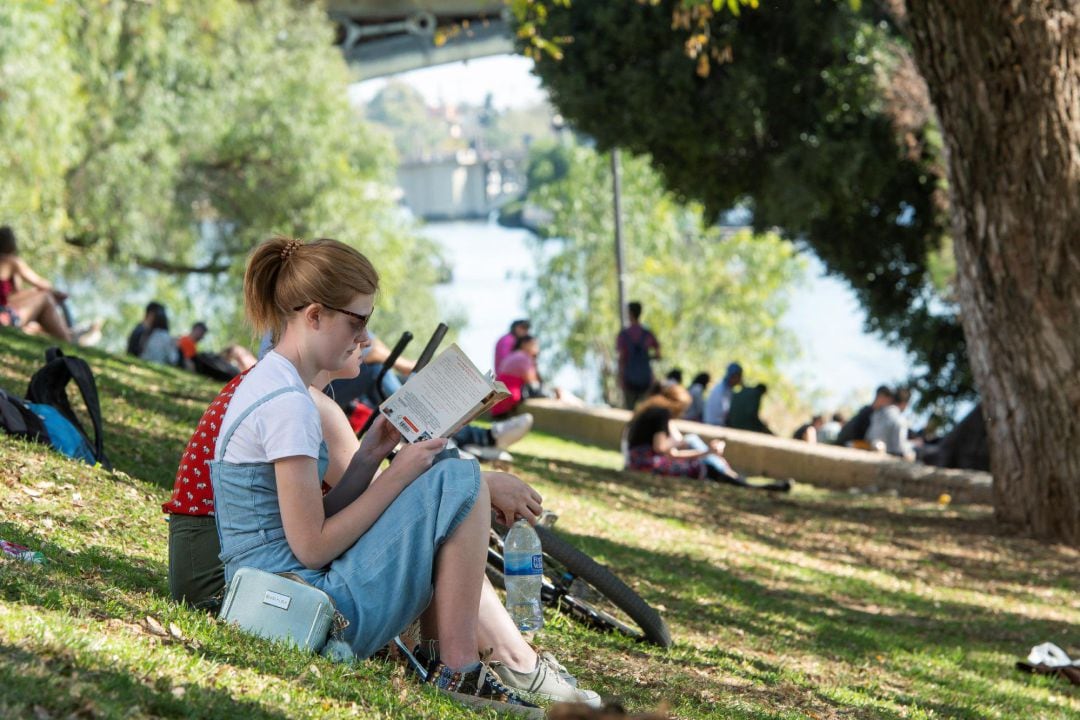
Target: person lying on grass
[(655, 445), (196, 574)]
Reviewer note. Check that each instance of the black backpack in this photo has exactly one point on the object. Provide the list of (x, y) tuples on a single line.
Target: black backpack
[(19, 420), (49, 387), (214, 366)]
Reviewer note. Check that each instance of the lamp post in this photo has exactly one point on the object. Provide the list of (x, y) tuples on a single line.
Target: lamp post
[(620, 271)]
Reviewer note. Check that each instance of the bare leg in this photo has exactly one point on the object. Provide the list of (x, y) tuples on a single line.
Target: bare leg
[(39, 306), (459, 575), (497, 631)]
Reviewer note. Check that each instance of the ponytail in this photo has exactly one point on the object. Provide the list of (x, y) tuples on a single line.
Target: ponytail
[(283, 274)]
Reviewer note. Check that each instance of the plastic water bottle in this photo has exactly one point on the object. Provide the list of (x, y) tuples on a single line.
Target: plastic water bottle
[(523, 570)]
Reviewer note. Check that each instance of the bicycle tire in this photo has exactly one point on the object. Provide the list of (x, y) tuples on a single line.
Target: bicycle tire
[(652, 626)]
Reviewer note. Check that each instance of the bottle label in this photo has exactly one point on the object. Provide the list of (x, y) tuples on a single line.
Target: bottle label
[(532, 565)]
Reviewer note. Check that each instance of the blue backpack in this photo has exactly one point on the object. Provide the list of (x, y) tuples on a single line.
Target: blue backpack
[(637, 372), (47, 396), (63, 436)]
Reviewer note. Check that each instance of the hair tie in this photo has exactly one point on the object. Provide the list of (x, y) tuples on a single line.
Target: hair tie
[(289, 249)]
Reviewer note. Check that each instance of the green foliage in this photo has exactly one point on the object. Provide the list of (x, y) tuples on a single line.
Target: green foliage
[(175, 136), (402, 111), (710, 296), (792, 120)]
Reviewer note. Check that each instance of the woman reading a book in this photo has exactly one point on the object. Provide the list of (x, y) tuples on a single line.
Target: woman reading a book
[(412, 544)]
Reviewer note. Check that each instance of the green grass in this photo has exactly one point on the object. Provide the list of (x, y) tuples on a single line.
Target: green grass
[(816, 604)]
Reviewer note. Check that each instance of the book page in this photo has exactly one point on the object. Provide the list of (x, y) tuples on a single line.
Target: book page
[(439, 399)]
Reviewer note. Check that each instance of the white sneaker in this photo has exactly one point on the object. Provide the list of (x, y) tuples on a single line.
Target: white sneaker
[(508, 432), (543, 685), (489, 453)]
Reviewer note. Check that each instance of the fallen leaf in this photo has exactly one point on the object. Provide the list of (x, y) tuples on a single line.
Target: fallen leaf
[(154, 626), (174, 630), (31, 491)]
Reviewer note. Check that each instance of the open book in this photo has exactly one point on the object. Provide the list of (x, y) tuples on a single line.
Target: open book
[(440, 399)]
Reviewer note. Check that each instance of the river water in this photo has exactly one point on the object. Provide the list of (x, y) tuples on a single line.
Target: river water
[(838, 364)]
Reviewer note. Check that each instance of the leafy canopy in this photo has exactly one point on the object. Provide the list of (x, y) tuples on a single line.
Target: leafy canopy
[(807, 115), (154, 141)]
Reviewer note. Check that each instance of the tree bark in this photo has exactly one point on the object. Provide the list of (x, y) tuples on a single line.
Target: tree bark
[(1005, 79)]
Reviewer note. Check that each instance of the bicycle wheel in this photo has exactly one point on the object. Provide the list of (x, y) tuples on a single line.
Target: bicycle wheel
[(593, 594)]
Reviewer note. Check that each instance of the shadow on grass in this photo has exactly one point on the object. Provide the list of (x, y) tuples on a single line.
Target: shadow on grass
[(64, 683), (702, 597)]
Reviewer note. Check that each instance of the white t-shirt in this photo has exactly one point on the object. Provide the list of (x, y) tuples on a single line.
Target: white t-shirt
[(286, 426)]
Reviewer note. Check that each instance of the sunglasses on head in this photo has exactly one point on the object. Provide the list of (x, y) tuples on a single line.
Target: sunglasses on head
[(362, 318)]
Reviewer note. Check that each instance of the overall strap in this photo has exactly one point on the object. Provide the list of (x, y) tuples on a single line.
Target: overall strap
[(224, 441)]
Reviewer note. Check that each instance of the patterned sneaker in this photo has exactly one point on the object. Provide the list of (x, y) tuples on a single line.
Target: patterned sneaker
[(544, 684), (477, 682)]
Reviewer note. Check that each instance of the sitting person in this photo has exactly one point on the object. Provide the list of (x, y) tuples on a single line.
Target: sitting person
[(696, 411), (197, 576), (135, 339), (655, 445), (239, 357), (830, 430), (808, 432), (745, 410), (155, 342), (853, 433), (36, 308), (188, 345), (518, 371), (273, 453), (718, 404), (505, 345), (888, 429)]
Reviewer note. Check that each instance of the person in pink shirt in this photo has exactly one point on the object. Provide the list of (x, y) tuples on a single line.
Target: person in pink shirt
[(507, 343)]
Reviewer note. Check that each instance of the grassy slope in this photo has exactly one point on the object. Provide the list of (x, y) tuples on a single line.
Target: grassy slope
[(816, 605)]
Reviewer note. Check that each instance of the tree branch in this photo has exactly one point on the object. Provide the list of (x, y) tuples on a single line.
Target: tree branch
[(213, 267)]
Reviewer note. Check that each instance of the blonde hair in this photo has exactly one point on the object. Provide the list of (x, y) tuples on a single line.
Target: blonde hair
[(671, 396), (284, 274)]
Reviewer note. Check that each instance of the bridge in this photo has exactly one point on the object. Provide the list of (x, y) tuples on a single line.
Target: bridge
[(383, 37)]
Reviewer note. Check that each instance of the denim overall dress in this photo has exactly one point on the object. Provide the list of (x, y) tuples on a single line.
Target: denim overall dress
[(381, 583)]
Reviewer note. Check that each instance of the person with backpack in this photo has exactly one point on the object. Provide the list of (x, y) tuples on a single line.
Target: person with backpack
[(637, 347)]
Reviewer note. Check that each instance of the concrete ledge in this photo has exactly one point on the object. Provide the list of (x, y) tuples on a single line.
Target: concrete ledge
[(758, 454)]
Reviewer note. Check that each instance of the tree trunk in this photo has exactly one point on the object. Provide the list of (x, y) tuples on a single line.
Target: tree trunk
[(1005, 79)]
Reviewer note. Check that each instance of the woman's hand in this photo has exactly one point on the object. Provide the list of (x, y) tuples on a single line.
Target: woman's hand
[(414, 460), (512, 498), (380, 439), (717, 446)]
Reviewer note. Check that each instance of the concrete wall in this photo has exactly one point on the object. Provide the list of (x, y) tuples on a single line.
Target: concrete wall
[(445, 189), (758, 454)]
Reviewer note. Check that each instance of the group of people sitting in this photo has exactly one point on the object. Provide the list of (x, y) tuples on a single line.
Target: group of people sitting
[(515, 366), (151, 340), (274, 478), (880, 426)]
